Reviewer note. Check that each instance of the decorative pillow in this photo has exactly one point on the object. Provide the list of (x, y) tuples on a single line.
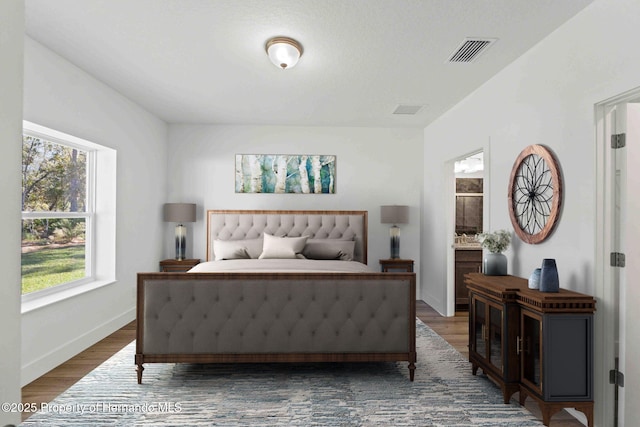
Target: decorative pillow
[(237, 249), (282, 247), (329, 249)]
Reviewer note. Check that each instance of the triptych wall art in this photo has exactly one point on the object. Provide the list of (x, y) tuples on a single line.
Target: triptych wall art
[(285, 173)]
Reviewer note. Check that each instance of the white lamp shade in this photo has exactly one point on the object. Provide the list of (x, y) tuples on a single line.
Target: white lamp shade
[(180, 212), (284, 52), (394, 214)]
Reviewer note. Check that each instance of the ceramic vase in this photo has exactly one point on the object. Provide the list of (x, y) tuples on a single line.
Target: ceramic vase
[(549, 281), (534, 279), (495, 264)]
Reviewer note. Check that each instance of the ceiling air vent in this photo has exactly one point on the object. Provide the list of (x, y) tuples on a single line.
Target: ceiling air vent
[(407, 109), (470, 49)]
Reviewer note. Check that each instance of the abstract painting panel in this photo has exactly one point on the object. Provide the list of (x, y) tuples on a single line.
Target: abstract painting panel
[(285, 173)]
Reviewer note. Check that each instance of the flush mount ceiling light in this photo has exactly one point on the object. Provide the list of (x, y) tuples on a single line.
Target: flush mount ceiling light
[(284, 52)]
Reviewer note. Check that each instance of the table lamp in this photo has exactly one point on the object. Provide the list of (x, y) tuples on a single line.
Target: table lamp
[(394, 214), (180, 213)]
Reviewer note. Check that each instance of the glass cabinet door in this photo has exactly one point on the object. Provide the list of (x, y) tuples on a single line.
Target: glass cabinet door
[(530, 348), (495, 336), (479, 325)]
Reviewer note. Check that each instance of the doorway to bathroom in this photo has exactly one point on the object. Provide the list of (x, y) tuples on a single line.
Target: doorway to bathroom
[(469, 217)]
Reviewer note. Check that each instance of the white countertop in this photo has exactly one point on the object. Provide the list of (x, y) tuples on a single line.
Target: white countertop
[(467, 246)]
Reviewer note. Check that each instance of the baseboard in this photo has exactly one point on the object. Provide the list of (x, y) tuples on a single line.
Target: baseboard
[(435, 303), (35, 369)]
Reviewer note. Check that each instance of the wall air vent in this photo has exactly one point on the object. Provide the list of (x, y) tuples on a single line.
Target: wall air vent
[(470, 49), (407, 109)]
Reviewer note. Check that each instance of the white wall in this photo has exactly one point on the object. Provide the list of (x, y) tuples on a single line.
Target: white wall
[(11, 55), (61, 96), (374, 167), (545, 97)]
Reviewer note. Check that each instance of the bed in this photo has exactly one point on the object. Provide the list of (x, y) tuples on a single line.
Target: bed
[(278, 286)]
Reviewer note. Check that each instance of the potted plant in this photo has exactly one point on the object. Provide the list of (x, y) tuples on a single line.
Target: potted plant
[(495, 262)]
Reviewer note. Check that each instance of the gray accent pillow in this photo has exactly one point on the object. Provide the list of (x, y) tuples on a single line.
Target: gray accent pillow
[(329, 249)]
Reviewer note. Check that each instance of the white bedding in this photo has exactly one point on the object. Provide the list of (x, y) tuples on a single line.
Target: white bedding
[(280, 265)]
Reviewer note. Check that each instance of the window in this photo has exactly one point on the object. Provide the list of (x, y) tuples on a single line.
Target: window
[(58, 209)]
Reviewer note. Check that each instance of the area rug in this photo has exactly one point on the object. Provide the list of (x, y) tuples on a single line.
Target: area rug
[(444, 393)]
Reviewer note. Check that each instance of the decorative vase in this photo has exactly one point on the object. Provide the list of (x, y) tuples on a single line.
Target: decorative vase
[(549, 281), (495, 264), (534, 279)]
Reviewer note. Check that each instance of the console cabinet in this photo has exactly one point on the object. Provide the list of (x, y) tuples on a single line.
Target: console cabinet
[(536, 343), (491, 338)]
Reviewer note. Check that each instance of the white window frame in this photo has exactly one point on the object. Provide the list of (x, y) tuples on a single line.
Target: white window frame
[(65, 290)]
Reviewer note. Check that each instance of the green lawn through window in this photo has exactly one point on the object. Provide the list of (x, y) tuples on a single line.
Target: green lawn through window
[(51, 266)]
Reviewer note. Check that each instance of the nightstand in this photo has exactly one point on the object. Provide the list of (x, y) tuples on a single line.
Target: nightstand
[(396, 265), (178, 266)]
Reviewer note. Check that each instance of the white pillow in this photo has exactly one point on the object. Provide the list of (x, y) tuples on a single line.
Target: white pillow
[(237, 249), (282, 247)]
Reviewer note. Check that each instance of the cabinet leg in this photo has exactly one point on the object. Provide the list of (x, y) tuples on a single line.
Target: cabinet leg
[(522, 397), (548, 409), (587, 409), (506, 395), (547, 413), (507, 392), (474, 368), (412, 370)]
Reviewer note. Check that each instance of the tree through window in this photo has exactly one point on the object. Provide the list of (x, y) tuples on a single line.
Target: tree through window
[(56, 212)]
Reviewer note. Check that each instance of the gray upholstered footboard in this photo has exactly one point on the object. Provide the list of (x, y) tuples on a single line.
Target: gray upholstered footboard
[(275, 317)]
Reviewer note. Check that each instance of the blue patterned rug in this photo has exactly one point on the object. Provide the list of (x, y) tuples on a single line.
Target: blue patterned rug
[(444, 393)]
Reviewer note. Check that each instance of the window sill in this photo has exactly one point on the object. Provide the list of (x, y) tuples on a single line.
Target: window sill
[(36, 303)]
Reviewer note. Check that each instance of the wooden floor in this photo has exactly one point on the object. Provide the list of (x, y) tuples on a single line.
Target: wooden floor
[(54, 382), (46, 388)]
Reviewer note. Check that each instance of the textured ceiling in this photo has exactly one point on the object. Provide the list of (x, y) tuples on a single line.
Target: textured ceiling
[(203, 61)]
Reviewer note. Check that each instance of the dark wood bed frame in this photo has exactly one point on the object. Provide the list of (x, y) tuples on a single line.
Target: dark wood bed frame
[(409, 279), (141, 357)]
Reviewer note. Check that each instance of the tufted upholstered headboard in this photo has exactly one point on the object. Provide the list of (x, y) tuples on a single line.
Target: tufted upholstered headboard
[(251, 224)]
